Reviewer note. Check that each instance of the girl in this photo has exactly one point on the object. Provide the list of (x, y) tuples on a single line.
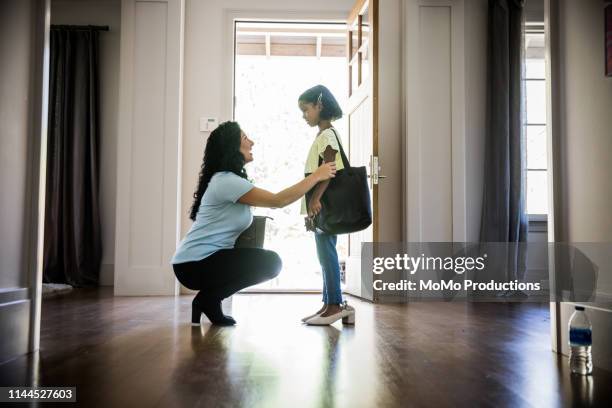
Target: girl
[(206, 259), (320, 108)]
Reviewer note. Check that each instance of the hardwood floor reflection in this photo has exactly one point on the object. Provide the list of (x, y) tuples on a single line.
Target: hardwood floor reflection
[(142, 352)]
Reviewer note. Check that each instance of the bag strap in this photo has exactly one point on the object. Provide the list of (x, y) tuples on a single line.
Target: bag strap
[(345, 161)]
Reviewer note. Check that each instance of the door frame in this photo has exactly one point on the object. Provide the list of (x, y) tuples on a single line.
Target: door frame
[(366, 91), (360, 94), (553, 74), (38, 170)]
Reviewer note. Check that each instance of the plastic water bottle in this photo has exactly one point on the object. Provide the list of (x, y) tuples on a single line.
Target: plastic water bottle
[(580, 340)]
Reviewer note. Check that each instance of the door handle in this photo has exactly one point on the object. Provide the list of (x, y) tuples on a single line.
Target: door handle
[(374, 169)]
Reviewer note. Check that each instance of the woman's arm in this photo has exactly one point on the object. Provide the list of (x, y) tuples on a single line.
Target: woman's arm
[(258, 197)]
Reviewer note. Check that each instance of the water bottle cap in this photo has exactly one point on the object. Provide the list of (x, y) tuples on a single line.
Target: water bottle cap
[(579, 307)]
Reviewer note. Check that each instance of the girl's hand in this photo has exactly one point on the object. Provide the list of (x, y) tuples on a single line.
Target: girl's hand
[(314, 207), (326, 171), (309, 224)]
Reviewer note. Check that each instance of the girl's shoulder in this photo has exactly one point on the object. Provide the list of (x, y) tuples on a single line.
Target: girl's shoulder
[(328, 136)]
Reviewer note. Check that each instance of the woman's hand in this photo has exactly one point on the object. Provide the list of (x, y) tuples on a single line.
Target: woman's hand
[(314, 207), (258, 197), (326, 171)]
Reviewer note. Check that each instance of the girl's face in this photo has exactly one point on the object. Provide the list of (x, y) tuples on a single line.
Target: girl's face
[(246, 145), (310, 112)]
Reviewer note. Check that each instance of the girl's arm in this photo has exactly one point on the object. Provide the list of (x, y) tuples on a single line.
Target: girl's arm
[(314, 206), (258, 197)]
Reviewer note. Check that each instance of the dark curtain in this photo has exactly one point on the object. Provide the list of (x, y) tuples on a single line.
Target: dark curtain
[(72, 239), (503, 211)]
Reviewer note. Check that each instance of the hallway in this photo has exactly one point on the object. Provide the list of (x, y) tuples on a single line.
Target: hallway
[(141, 351)]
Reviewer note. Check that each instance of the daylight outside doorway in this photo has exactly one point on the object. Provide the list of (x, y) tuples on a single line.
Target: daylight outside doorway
[(274, 63)]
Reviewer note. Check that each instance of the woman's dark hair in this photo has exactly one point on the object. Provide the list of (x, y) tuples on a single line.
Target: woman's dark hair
[(222, 153), (331, 110)]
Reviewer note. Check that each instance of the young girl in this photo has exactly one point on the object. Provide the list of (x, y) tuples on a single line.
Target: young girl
[(320, 108)]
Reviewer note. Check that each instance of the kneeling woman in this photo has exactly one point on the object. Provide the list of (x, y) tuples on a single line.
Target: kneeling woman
[(206, 259)]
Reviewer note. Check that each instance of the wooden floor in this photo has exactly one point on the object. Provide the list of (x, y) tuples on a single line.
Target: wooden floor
[(142, 352)]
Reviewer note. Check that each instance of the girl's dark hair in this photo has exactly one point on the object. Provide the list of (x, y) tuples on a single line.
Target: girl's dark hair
[(222, 153), (331, 109)]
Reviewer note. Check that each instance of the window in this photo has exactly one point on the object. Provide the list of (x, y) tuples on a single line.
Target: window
[(535, 126)]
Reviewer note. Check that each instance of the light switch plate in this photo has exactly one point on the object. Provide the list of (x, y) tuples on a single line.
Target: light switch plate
[(208, 124)]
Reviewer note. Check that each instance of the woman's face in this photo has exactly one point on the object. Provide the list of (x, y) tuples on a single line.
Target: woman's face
[(310, 112), (246, 145)]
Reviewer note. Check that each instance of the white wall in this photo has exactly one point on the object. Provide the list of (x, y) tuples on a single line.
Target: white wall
[(390, 115), (102, 12), (15, 92), (475, 112), (586, 125), (585, 137)]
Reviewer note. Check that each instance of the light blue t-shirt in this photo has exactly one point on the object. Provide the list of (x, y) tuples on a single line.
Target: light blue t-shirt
[(220, 218)]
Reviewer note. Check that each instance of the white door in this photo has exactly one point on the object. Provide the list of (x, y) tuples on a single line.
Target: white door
[(148, 146), (362, 124)]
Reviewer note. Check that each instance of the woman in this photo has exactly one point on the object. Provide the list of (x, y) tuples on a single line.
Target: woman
[(206, 259)]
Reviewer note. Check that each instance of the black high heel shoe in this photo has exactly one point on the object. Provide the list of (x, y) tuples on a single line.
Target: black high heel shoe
[(212, 310)]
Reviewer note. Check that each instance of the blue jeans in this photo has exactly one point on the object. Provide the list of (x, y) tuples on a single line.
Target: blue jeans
[(328, 258)]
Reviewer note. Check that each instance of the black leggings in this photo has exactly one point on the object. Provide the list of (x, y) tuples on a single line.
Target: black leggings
[(227, 271)]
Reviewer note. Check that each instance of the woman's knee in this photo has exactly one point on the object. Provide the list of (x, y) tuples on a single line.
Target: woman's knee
[(274, 264)]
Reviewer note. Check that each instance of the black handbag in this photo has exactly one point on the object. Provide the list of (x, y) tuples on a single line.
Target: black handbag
[(345, 204), (253, 237)]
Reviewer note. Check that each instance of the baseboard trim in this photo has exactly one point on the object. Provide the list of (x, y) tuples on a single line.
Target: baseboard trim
[(14, 325), (8, 295)]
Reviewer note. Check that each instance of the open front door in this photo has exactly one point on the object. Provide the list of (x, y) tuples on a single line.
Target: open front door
[(362, 112)]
